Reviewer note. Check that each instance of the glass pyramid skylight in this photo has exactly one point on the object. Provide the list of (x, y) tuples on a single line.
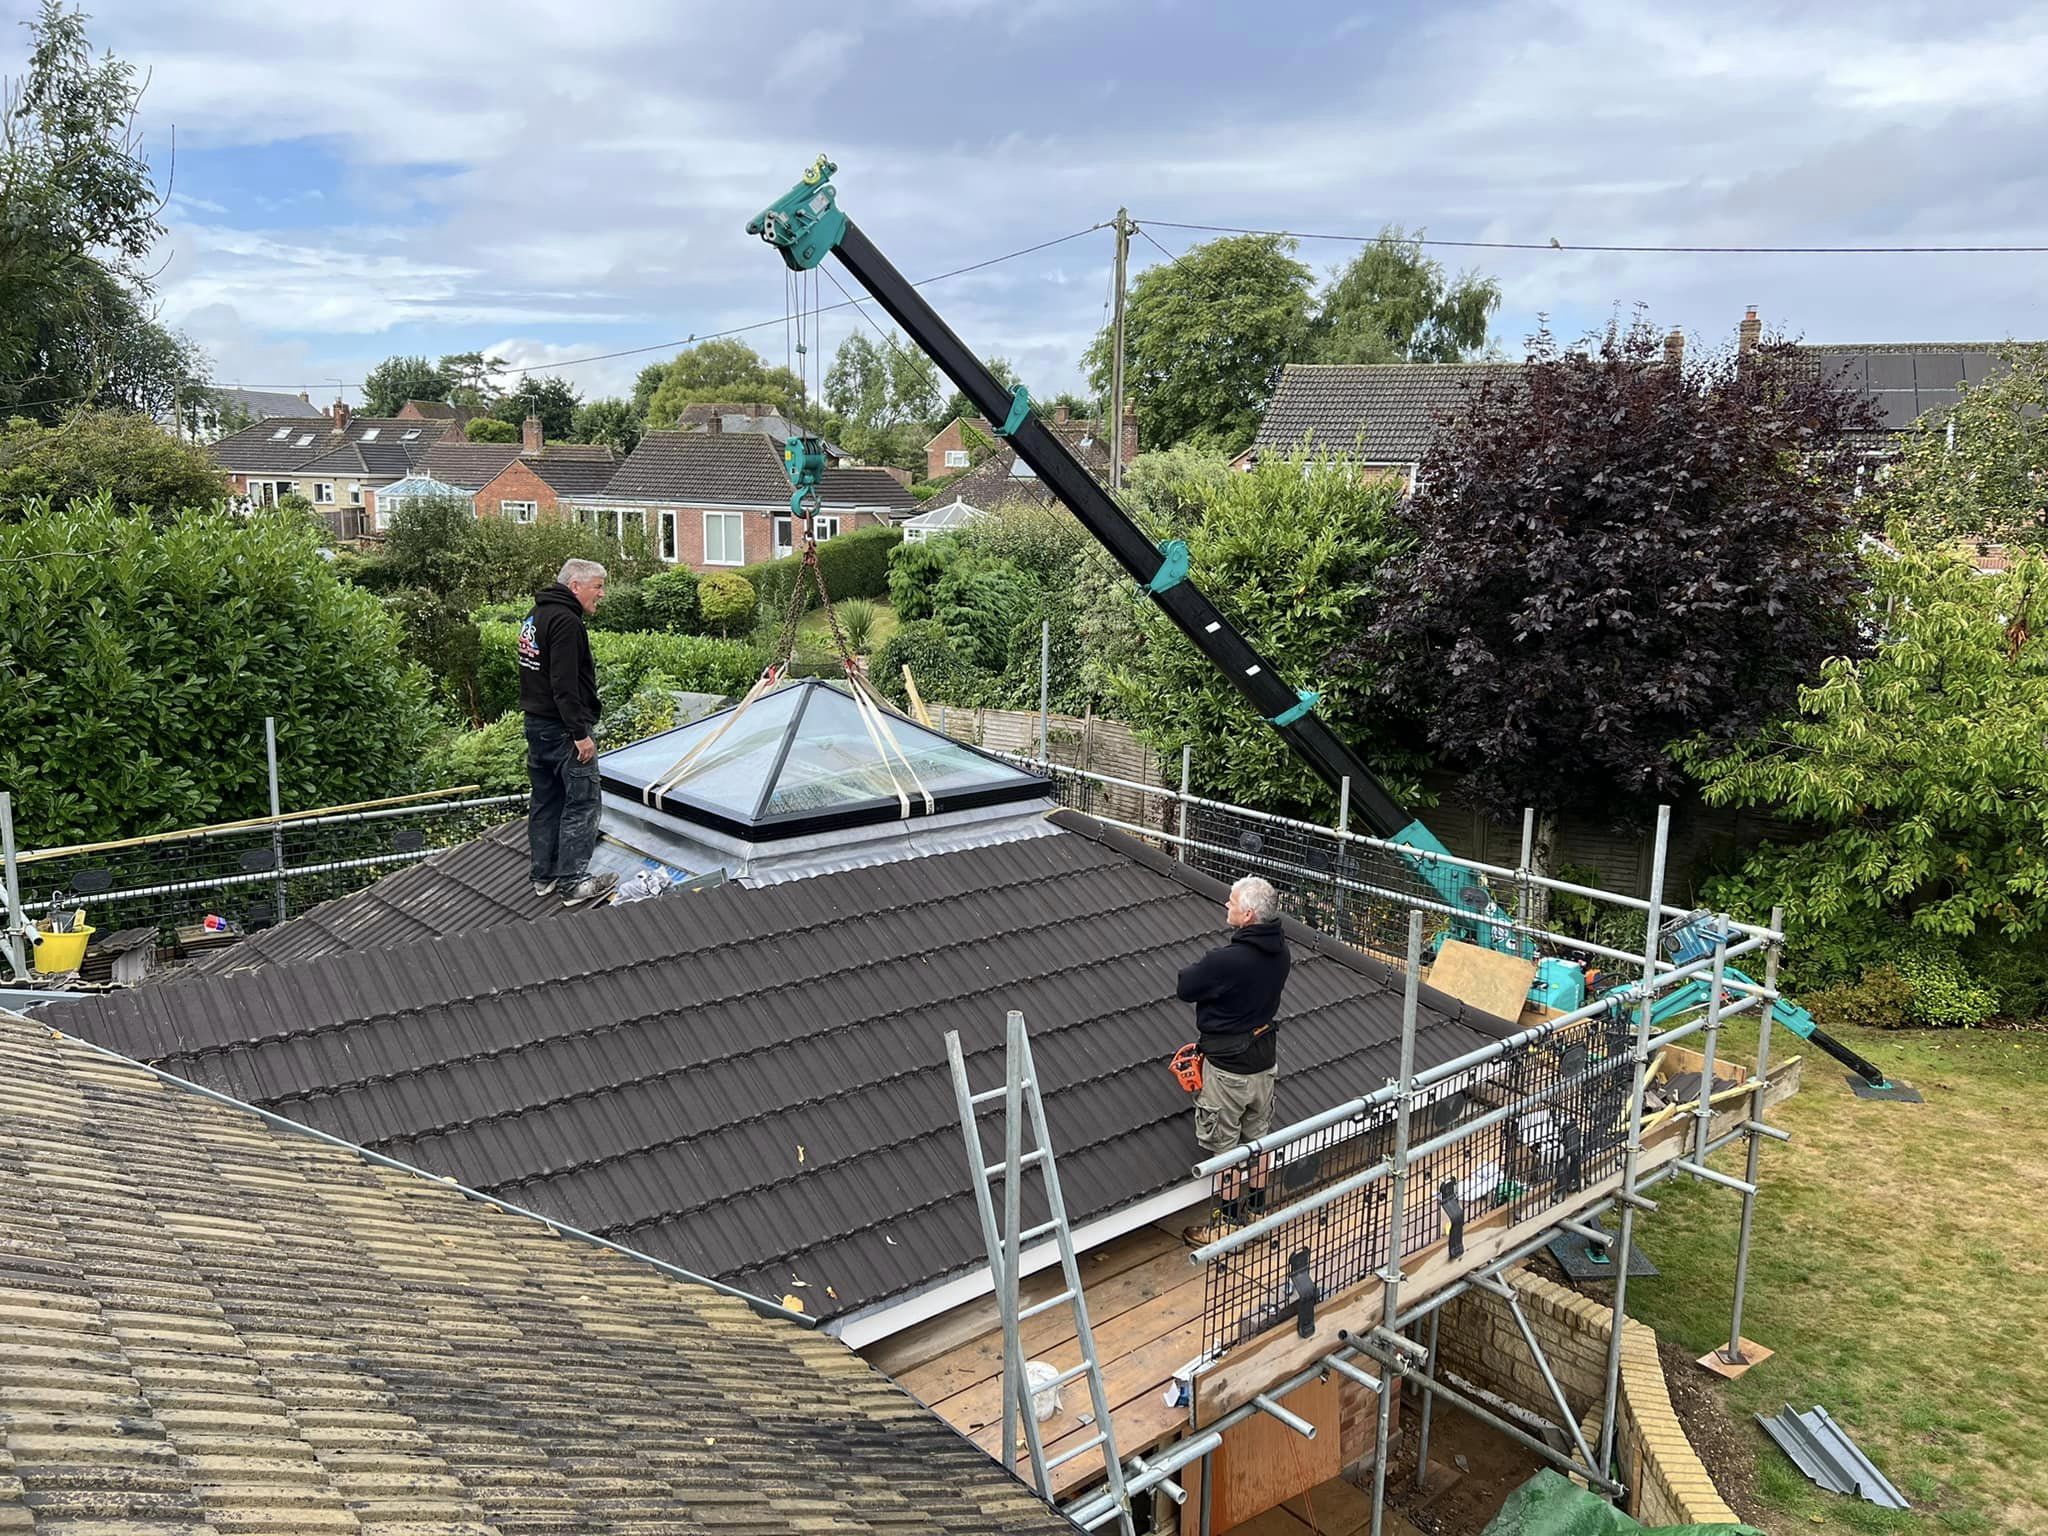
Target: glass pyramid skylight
[(801, 760)]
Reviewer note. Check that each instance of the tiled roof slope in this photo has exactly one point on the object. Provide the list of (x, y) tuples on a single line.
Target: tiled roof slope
[(1384, 413), (739, 469), (469, 465), (211, 1324), (377, 442), (575, 469), (1907, 380), (474, 885), (751, 1083)]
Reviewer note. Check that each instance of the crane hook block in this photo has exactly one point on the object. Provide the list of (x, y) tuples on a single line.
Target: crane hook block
[(803, 460), (805, 223), (1020, 407), (1307, 701), (1173, 567)]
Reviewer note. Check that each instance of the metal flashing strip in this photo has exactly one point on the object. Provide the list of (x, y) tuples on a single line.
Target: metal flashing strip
[(1819, 1448)]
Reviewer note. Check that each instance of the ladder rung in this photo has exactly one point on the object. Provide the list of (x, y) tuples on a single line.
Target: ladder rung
[(1045, 1306), (1071, 1373), (1043, 1229), (998, 1170), (1080, 1450), (990, 1095)]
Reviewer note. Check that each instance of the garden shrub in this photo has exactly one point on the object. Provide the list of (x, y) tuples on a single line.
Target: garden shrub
[(943, 675), (854, 565), (981, 603), (1945, 993), (692, 663), (668, 600), (1882, 999), (137, 676), (914, 572), (857, 622), (725, 598), (441, 637)]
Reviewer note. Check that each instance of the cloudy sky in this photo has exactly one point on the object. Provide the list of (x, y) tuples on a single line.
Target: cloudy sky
[(548, 181)]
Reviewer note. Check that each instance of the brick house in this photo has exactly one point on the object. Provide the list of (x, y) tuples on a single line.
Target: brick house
[(526, 481), (1001, 477), (719, 500), (458, 416), (947, 452), (337, 462)]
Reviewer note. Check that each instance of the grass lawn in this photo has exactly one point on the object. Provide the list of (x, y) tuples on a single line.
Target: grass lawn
[(1900, 1271), (814, 640)]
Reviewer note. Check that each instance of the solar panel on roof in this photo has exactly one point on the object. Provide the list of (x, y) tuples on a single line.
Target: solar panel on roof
[(1891, 370), (1937, 370)]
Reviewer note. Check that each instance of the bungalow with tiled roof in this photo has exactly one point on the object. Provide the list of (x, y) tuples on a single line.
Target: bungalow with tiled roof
[(524, 482), (1382, 416), (714, 500), (337, 462)]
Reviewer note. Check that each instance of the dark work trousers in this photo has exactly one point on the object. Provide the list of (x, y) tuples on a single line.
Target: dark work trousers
[(561, 823)]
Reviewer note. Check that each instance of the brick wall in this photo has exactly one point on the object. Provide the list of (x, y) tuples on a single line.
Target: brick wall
[(518, 482), (950, 439), (1479, 1341), (757, 530)]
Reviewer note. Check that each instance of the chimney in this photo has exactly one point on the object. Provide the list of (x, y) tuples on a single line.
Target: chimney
[(306, 398), (530, 439), (1059, 415), (1749, 333), (340, 415), (1674, 349), (715, 423), (1130, 434)]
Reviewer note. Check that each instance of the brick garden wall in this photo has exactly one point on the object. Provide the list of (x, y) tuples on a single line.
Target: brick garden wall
[(1479, 1341)]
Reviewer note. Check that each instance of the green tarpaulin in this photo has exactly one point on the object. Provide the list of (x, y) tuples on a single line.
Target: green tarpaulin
[(1551, 1505)]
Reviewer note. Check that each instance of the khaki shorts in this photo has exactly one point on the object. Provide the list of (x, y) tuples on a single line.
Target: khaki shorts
[(1232, 1108)]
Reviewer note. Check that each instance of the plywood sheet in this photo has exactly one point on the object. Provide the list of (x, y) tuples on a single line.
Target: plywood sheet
[(1490, 981), (1262, 1463)]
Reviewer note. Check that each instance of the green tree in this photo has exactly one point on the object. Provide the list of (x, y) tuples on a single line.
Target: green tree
[(140, 659), (130, 459), (399, 379), (79, 215), (725, 598), (1205, 337), (553, 399), (1980, 474), (472, 379), (886, 392), (1292, 552), (1921, 767), (489, 429), (722, 371), (610, 422), (1393, 304)]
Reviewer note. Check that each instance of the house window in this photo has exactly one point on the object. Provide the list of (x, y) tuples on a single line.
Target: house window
[(587, 516), (785, 533), (305, 439), (371, 435), (668, 537), (956, 458), (355, 493), (409, 435), (323, 492), (725, 538), (519, 511), (280, 434)]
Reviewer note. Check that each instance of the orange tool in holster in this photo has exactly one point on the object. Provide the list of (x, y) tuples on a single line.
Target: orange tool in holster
[(1187, 1067)]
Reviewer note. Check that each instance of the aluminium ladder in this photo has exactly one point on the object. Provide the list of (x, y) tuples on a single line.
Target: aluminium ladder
[(1006, 1245)]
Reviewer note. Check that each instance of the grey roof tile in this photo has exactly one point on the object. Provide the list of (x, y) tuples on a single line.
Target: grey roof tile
[(1381, 413), (741, 469), (651, 1070)]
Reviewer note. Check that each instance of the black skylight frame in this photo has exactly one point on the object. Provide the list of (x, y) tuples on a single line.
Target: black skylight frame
[(1025, 784)]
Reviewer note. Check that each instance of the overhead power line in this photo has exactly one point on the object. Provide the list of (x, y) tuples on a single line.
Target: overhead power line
[(741, 330), (1639, 250)]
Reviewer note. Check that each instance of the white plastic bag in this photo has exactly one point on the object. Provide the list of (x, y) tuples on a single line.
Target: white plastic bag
[(1045, 1397)]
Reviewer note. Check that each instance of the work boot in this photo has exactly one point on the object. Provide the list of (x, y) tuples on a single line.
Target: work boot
[(544, 887), (589, 888), (1225, 1218)]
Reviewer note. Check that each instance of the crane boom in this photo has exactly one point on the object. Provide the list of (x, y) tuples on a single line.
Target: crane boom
[(806, 224)]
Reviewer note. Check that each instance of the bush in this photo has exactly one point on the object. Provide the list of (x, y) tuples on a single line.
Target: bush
[(690, 662), (1882, 999), (493, 757), (669, 599), (512, 561), (943, 675), (1945, 993), (914, 572), (651, 707), (370, 572), (130, 458), (443, 639), (854, 565), (857, 621), (983, 604), (138, 676), (430, 544), (725, 598), (488, 429), (623, 609)]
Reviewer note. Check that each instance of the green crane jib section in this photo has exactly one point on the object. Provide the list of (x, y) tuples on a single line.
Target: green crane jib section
[(805, 225)]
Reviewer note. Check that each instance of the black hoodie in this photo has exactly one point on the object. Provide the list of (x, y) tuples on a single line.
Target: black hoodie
[(1236, 993), (557, 678)]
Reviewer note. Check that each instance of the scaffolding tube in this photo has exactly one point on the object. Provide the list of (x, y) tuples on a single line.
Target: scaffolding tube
[(1570, 1420), (1733, 1354), (1397, 1210)]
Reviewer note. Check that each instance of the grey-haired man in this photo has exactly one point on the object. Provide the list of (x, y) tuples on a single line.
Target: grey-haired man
[(558, 692)]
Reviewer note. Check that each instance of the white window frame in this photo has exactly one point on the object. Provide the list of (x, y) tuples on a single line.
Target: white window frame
[(388, 509), (520, 511), (280, 434), (407, 436), (784, 532), (671, 546), (355, 493), (733, 525), (956, 458), (370, 434), (323, 493)]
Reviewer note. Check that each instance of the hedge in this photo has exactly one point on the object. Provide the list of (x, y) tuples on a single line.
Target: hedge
[(697, 664), (855, 565)]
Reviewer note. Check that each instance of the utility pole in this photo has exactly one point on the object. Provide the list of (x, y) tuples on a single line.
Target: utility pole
[(1123, 227)]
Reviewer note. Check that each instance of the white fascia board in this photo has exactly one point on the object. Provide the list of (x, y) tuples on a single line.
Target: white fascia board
[(872, 1324)]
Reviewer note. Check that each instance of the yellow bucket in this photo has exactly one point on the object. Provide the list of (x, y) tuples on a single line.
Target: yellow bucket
[(60, 951)]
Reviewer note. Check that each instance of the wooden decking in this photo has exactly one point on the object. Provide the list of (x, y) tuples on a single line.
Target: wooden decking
[(1145, 1307)]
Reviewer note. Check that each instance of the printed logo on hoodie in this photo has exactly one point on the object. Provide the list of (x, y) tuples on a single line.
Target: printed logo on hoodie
[(529, 646)]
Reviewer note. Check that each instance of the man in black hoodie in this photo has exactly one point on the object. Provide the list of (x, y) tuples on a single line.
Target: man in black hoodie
[(1236, 992), (558, 692)]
